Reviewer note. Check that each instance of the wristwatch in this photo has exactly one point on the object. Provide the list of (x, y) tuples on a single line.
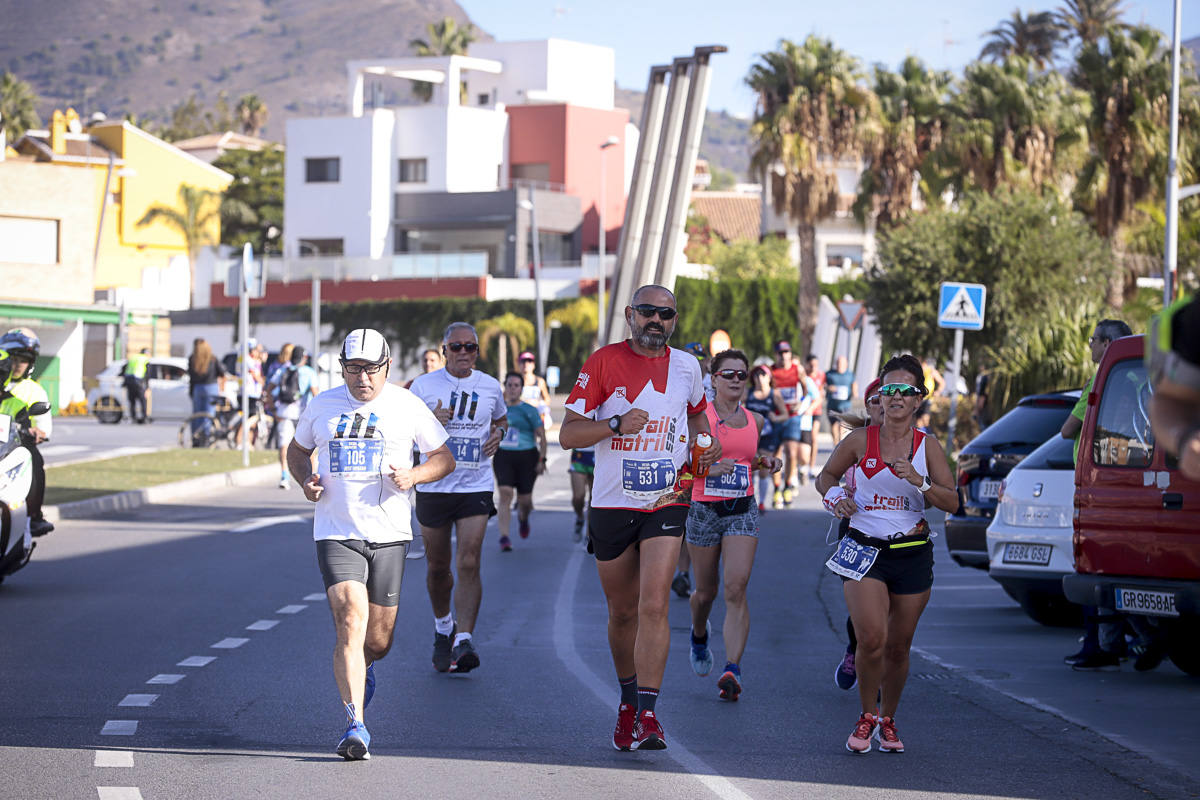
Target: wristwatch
[(925, 484), (614, 423), (503, 432)]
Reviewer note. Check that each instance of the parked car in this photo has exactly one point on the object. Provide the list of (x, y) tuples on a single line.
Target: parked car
[(167, 382), (987, 459), (1137, 519), (1029, 541)]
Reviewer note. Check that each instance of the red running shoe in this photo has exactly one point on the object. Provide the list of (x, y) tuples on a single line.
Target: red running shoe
[(730, 686), (860, 738), (889, 740), (623, 735), (523, 528), (647, 733)]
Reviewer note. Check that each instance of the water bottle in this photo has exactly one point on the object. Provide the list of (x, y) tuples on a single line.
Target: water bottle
[(703, 442)]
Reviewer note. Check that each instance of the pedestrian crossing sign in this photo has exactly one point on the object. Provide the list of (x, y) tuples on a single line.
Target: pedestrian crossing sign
[(961, 306)]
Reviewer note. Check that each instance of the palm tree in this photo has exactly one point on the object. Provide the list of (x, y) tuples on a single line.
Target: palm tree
[(1087, 20), (446, 38), (252, 113), (810, 114), (510, 331), (198, 221), (908, 129), (1035, 37), (18, 107)]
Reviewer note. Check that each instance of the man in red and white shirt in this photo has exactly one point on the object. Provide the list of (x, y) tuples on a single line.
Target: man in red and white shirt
[(641, 404)]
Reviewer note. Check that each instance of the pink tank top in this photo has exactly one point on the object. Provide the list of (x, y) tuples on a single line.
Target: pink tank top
[(740, 444), (888, 506)]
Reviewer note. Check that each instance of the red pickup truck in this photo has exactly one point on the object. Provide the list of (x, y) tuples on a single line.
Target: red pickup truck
[(1137, 519)]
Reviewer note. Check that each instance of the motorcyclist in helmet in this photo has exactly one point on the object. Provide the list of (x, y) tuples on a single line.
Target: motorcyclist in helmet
[(18, 391)]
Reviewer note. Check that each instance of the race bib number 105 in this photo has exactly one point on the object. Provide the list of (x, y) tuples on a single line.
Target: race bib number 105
[(354, 457)]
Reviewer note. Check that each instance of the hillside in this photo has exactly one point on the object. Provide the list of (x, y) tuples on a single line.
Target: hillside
[(725, 140)]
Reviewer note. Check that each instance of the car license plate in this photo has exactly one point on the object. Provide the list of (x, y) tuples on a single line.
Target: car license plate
[(1143, 601), (1018, 553), (989, 489)]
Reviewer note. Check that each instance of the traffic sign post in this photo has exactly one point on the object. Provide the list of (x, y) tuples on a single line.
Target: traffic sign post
[(960, 308)]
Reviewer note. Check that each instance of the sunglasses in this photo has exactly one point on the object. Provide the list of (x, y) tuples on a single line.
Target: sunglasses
[(648, 311), (902, 389), (455, 347), (732, 374), (875, 400), (358, 369)]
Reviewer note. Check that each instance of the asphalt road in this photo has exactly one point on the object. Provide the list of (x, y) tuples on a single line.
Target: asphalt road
[(187, 647), (78, 439)]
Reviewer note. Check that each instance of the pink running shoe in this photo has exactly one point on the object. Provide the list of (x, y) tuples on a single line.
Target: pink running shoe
[(860, 739), (889, 741)]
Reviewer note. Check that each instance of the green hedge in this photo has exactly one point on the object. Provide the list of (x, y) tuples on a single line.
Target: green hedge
[(755, 313)]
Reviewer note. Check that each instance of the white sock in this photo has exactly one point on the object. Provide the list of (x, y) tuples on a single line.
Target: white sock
[(444, 625), (764, 487), (460, 638)]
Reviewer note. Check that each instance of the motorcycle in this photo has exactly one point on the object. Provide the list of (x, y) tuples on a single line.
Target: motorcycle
[(16, 475)]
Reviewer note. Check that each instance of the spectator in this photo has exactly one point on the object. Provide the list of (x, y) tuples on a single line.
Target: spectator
[(292, 386), (206, 380), (982, 413)]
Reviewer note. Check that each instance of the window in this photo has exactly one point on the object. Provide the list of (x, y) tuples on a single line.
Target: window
[(531, 172), (321, 247), (28, 241), (484, 98), (412, 170), (1123, 437), (322, 170)]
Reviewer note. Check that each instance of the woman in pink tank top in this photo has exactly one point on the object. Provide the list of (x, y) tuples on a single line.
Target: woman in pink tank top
[(723, 520)]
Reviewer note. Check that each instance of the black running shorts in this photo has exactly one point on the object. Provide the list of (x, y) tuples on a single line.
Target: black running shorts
[(905, 570), (379, 566), (612, 531), (441, 509), (516, 468)]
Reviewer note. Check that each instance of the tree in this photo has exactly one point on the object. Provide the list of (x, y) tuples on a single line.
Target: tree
[(194, 220), (446, 38), (18, 107), (252, 113), (810, 111), (189, 118), (1034, 37), (908, 128), (1087, 20), (749, 260), (510, 331), (257, 188)]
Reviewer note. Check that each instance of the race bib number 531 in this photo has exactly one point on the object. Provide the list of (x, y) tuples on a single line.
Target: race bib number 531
[(647, 480)]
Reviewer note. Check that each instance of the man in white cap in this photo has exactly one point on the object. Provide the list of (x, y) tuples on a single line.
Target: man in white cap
[(363, 434)]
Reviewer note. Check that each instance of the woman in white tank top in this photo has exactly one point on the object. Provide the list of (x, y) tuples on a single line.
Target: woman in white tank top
[(886, 560)]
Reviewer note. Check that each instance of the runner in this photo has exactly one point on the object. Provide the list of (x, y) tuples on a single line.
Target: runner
[(431, 361), (765, 400), (470, 404), (886, 558), (293, 385), (840, 388), (641, 403), (681, 582), (520, 459), (810, 452), (582, 470), (723, 522), (363, 434), (534, 391), (798, 393)]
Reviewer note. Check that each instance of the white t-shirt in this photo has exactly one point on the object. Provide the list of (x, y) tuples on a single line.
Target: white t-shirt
[(474, 402), (640, 471), (358, 445)]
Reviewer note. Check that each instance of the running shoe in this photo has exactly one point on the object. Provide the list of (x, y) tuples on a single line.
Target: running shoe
[(787, 496), (730, 684), (1098, 660), (777, 500), (505, 544), (523, 528), (647, 733), (284, 482), (885, 733), (845, 676), (463, 657), (623, 734), (860, 737), (762, 509), (354, 744), (578, 529), (700, 656), (682, 585), (441, 650), (369, 691), (1150, 654)]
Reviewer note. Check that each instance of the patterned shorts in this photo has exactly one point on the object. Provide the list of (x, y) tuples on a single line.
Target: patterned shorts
[(705, 526)]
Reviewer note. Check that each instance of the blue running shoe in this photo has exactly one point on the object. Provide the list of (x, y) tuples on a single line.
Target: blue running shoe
[(700, 656), (369, 691), (354, 744)]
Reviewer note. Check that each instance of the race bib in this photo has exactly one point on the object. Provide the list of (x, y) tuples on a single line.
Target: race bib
[(788, 393), (852, 560), (5, 427), (355, 458), (806, 422), (731, 484), (841, 392), (647, 480), (466, 451), (511, 439)]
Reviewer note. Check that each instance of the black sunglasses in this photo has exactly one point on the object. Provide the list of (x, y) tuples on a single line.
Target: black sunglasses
[(470, 347), (358, 369), (647, 311), (731, 374)]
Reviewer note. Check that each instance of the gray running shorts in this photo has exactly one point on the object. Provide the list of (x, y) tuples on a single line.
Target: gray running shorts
[(379, 566)]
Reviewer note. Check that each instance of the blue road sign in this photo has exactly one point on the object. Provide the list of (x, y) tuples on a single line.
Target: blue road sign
[(961, 306)]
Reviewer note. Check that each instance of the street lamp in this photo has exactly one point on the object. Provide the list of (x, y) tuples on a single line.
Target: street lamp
[(609, 142), (537, 280)]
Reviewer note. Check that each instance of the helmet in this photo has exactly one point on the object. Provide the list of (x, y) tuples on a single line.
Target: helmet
[(365, 344), (22, 343)]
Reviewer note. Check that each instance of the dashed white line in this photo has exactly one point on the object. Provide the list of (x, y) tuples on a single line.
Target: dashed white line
[(197, 661), (291, 609), (113, 758), (138, 700), (119, 793), (312, 598), (262, 625), (119, 727), (266, 522), (229, 643), (166, 678)]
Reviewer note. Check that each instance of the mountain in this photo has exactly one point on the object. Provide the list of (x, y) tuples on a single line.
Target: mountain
[(724, 142)]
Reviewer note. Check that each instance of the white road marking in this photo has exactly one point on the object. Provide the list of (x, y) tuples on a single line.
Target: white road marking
[(229, 643), (56, 450), (261, 625), (315, 596), (119, 793), (564, 648), (266, 522), (166, 678), (138, 700), (197, 661), (113, 758), (119, 727), (291, 609)]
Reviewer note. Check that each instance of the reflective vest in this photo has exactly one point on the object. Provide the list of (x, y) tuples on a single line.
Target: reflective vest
[(136, 365), (23, 394)]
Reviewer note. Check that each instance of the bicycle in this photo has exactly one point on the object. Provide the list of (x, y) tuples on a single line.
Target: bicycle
[(224, 428)]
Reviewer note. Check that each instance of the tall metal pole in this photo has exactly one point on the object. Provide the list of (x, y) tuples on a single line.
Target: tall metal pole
[(244, 347), (953, 423), (602, 273), (316, 330), (1170, 249), (543, 344)]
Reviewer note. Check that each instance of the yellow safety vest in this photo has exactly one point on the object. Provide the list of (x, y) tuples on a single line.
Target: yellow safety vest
[(136, 365), (25, 393)]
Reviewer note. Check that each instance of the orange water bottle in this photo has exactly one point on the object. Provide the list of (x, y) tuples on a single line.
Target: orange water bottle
[(703, 442)]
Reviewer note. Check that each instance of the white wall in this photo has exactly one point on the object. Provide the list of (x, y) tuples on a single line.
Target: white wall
[(547, 71), (476, 141)]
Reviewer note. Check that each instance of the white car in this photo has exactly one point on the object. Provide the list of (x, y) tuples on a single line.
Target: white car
[(167, 379), (1029, 541)]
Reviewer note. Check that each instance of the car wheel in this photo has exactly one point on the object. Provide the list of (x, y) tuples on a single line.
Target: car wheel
[(1052, 610), (1183, 645), (108, 410)]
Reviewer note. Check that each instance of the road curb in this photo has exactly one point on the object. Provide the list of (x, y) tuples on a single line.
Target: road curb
[(163, 493)]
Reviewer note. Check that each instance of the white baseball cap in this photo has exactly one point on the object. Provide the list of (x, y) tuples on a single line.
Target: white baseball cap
[(365, 344)]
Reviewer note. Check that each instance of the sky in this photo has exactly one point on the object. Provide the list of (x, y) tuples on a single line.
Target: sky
[(946, 34)]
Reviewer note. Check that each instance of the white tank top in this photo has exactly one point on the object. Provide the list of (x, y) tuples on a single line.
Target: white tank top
[(888, 506)]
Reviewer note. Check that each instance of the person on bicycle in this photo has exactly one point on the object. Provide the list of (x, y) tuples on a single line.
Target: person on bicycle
[(20, 391)]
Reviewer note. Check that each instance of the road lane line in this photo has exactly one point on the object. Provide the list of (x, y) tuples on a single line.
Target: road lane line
[(262, 625), (291, 609), (138, 700), (119, 793), (312, 598), (166, 678), (267, 522), (229, 643), (119, 727), (113, 758), (197, 661), (564, 648)]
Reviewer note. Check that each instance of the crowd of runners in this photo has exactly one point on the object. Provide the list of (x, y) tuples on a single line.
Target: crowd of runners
[(673, 458)]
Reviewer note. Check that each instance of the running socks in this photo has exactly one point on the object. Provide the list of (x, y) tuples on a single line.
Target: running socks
[(731, 666), (764, 487), (352, 713), (460, 638), (444, 625), (646, 698), (701, 640), (629, 690)]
